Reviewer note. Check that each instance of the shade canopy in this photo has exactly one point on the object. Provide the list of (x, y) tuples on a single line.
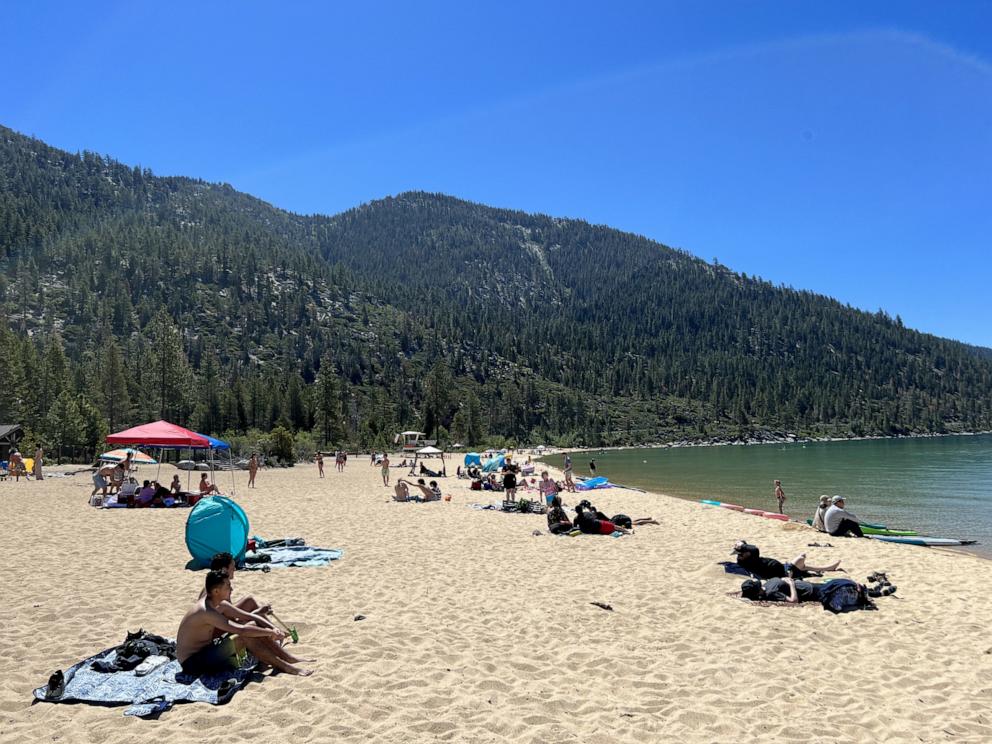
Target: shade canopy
[(217, 444), (139, 458), (429, 451), (159, 434)]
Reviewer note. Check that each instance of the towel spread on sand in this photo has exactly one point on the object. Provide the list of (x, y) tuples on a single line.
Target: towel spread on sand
[(166, 684), (733, 568), (297, 556)]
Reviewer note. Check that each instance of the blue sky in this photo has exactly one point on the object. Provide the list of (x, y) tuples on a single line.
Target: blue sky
[(832, 147)]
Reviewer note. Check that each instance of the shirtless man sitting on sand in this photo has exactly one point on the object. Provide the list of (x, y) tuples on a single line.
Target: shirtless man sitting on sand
[(200, 652), (245, 610)]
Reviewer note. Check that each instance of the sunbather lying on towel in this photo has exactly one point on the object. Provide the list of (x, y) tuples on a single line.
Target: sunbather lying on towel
[(200, 652), (836, 595), (587, 519), (749, 558)]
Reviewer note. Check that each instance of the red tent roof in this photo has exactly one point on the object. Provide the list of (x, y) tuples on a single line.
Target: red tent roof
[(159, 434)]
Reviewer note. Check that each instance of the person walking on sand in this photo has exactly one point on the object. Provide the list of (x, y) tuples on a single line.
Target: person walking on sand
[(385, 469), (779, 496), (319, 459), (39, 455), (252, 469)]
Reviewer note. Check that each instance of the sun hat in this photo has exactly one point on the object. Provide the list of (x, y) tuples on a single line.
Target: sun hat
[(835, 499)]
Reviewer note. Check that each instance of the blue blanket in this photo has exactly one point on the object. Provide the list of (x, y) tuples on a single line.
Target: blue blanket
[(167, 685), (733, 568), (294, 555)]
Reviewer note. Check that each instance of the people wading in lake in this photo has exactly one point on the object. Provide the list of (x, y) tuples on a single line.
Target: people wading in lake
[(779, 496)]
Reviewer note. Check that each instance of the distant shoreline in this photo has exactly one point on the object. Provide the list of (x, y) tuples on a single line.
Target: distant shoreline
[(719, 442)]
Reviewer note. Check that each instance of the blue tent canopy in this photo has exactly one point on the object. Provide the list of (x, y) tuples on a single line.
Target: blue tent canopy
[(472, 458), (216, 525), (216, 444)]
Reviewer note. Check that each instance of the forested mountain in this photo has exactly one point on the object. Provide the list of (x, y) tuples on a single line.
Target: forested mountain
[(130, 297)]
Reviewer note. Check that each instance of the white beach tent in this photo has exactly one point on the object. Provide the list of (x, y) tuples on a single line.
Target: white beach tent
[(429, 451)]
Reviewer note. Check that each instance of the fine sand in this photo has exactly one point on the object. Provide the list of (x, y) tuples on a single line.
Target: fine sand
[(476, 630)]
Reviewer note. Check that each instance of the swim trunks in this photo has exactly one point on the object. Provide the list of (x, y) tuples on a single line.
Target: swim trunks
[(99, 481), (220, 655)]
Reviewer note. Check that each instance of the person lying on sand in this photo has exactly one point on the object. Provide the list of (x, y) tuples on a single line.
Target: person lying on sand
[(588, 520), (749, 558), (200, 652), (795, 591)]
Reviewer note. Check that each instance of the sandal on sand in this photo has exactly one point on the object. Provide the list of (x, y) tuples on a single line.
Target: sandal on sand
[(881, 590), (603, 606)]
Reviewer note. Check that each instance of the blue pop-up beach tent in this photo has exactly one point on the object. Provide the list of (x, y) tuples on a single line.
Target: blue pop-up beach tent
[(216, 525), (473, 458)]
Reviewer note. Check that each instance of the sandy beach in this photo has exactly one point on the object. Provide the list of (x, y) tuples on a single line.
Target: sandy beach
[(477, 630)]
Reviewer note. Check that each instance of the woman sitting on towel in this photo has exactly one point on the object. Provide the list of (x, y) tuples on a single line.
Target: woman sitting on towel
[(558, 520)]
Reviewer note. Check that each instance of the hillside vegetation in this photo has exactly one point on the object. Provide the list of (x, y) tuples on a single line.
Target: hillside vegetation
[(130, 297)]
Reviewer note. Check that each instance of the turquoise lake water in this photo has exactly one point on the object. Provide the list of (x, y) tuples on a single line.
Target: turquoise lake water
[(939, 486)]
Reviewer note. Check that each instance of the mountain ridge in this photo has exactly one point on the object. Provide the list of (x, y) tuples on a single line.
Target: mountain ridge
[(537, 326)]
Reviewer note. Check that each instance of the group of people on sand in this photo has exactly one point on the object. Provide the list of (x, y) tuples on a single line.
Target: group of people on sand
[(114, 480), (831, 517), (776, 581), (17, 467), (421, 491), (216, 632), (589, 520)]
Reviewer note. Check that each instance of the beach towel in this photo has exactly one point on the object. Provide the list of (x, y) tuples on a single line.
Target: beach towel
[(148, 694), (733, 568), (292, 556)]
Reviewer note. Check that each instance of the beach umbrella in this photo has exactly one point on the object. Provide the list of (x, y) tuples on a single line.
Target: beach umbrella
[(138, 458), (429, 451)]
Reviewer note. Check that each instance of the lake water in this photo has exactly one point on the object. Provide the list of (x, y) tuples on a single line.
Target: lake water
[(940, 486)]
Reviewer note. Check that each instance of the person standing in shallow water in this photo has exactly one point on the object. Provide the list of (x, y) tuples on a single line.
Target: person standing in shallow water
[(252, 469), (592, 468), (779, 496)]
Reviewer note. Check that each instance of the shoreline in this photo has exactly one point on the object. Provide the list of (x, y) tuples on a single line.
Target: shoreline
[(678, 444)]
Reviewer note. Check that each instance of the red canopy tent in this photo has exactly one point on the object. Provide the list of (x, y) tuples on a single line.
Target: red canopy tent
[(159, 434)]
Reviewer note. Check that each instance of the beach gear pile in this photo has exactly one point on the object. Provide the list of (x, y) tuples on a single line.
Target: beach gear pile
[(142, 673)]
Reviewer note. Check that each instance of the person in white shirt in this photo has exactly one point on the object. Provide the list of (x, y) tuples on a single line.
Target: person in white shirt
[(839, 522)]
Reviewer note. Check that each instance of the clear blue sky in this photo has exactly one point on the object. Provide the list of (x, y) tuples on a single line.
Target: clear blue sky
[(843, 147)]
